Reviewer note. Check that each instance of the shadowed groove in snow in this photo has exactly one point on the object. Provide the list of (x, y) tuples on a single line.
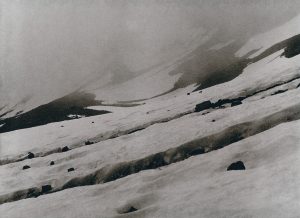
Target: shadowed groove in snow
[(195, 147), (98, 138)]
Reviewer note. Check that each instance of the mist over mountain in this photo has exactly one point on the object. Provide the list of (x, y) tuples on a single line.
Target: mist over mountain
[(55, 47)]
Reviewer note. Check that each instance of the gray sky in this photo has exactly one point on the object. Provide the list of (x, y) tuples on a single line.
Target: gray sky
[(48, 47)]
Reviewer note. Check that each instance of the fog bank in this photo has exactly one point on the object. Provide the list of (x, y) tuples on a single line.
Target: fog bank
[(52, 47)]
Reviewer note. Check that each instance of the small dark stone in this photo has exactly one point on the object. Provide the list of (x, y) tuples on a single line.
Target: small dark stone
[(88, 143), (26, 167), (46, 188), (30, 155), (52, 163), (188, 93), (61, 126), (235, 103), (213, 121), (64, 149), (131, 209), (298, 85), (239, 165), (93, 122), (71, 169)]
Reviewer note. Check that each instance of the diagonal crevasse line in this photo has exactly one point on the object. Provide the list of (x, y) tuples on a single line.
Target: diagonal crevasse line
[(112, 135), (194, 147)]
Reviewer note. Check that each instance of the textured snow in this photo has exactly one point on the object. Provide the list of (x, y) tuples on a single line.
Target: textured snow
[(197, 187)]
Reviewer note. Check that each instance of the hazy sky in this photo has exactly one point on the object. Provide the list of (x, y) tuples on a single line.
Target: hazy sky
[(48, 47)]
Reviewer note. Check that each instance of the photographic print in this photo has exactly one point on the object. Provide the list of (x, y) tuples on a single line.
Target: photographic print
[(149, 109)]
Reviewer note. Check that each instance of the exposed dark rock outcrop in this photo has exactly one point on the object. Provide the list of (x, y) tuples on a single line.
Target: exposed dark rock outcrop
[(235, 103), (203, 106)]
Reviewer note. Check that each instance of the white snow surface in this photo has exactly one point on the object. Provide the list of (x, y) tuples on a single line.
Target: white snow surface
[(196, 187)]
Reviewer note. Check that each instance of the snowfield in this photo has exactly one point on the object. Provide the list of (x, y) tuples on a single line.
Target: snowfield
[(168, 156)]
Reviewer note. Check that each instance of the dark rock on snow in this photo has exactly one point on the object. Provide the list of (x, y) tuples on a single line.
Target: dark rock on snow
[(71, 169), (26, 167), (64, 149), (88, 143), (30, 155), (239, 165)]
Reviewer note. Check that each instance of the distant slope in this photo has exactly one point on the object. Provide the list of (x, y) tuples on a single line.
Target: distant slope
[(66, 108)]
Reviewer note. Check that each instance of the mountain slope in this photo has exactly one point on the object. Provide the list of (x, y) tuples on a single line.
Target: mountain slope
[(187, 144), (170, 155)]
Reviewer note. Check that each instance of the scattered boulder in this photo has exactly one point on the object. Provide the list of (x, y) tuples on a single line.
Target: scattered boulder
[(88, 143), (239, 165), (30, 155), (213, 121), (26, 167), (65, 149), (188, 93), (71, 169), (52, 163), (93, 122), (61, 126), (46, 188), (203, 106)]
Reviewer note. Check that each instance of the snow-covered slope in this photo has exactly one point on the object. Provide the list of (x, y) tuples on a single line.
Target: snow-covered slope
[(173, 158), (168, 156)]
